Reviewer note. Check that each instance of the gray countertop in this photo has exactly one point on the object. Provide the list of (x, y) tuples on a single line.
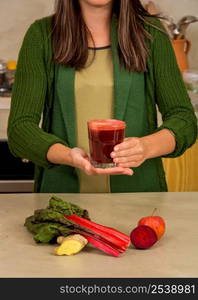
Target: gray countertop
[(175, 255)]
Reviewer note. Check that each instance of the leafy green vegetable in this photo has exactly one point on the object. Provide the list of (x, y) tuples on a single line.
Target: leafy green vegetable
[(49, 214), (49, 223)]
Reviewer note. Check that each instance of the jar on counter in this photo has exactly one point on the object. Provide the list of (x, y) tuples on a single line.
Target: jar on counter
[(10, 73)]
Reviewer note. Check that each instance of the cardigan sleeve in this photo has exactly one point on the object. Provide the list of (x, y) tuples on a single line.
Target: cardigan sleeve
[(171, 95), (25, 138)]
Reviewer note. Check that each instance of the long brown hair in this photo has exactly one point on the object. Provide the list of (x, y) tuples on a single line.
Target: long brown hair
[(70, 34)]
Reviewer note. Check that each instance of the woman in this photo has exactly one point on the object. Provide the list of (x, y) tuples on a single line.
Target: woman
[(98, 59)]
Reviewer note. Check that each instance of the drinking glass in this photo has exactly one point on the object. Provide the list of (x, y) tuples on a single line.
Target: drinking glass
[(103, 136)]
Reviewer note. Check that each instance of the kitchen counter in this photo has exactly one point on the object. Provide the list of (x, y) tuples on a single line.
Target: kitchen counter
[(175, 255)]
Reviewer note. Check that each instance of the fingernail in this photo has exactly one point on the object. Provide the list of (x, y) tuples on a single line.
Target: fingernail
[(130, 173), (115, 148), (112, 154)]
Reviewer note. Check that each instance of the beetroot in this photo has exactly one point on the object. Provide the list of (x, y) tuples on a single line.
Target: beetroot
[(143, 237)]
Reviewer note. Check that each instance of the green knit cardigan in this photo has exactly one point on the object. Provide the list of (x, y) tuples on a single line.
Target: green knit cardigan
[(32, 96)]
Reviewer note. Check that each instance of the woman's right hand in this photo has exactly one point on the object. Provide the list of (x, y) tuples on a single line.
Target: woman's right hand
[(80, 159)]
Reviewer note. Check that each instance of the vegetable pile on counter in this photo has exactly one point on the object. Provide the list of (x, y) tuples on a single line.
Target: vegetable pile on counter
[(70, 226)]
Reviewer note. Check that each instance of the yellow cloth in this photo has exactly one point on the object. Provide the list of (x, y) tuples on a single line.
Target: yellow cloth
[(93, 100), (182, 172)]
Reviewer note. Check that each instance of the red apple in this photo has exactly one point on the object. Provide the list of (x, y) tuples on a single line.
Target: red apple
[(156, 223), (143, 237)]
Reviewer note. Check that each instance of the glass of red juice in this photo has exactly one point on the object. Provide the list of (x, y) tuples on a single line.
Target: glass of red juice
[(103, 136)]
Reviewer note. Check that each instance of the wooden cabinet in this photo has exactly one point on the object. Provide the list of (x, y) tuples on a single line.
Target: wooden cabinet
[(182, 172)]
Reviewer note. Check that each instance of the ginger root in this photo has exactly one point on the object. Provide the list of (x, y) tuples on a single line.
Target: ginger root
[(60, 239), (70, 245)]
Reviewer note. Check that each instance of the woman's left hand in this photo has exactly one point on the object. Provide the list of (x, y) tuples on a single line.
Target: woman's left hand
[(130, 153), (134, 151)]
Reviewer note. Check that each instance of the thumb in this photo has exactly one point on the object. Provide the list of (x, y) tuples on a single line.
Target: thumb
[(87, 167)]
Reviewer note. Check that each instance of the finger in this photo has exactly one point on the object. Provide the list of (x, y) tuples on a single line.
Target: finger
[(89, 171), (121, 153), (114, 171), (79, 155), (87, 167), (132, 158), (131, 164), (86, 156), (128, 172), (79, 151), (125, 153), (128, 143), (84, 161)]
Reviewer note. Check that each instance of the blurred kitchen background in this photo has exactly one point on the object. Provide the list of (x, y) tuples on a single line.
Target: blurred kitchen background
[(17, 15), (16, 175)]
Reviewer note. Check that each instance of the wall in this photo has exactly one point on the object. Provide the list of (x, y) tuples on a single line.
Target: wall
[(17, 15), (177, 9)]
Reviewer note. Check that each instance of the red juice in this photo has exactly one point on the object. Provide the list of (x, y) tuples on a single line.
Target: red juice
[(103, 136)]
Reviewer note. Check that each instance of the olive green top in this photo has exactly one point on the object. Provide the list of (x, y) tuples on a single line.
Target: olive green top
[(33, 97), (93, 100)]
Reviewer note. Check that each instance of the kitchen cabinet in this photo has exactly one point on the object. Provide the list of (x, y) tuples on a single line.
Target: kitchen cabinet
[(15, 175), (174, 255)]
